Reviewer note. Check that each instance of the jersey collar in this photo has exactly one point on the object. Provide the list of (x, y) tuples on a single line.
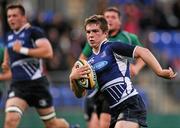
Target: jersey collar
[(27, 25), (103, 42), (120, 30)]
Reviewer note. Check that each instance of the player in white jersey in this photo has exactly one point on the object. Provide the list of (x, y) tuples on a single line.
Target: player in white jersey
[(111, 65)]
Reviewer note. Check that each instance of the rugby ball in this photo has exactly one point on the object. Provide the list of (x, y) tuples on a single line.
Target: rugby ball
[(87, 83)]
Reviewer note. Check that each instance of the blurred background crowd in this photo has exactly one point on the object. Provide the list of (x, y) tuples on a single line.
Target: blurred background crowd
[(156, 22)]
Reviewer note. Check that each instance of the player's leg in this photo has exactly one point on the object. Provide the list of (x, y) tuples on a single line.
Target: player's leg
[(131, 113), (105, 119), (14, 110), (90, 115), (43, 102), (94, 121), (48, 116), (126, 124), (103, 111)]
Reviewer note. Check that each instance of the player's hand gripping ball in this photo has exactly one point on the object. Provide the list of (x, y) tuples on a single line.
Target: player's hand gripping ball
[(90, 81)]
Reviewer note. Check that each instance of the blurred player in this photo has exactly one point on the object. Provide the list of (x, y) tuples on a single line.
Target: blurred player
[(26, 46), (109, 60), (96, 108)]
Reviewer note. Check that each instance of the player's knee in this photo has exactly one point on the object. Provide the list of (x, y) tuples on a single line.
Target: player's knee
[(51, 121), (105, 119), (56, 123), (62, 122), (12, 119), (13, 115), (105, 125)]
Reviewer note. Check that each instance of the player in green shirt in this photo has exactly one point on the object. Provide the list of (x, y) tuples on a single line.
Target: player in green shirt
[(96, 111)]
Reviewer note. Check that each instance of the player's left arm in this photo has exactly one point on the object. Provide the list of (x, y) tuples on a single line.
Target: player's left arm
[(152, 62), (42, 47), (136, 67)]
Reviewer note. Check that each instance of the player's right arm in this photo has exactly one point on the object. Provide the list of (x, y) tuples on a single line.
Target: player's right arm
[(80, 72), (76, 74)]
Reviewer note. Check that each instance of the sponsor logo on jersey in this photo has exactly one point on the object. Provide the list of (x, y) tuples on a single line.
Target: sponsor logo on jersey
[(100, 65), (121, 115)]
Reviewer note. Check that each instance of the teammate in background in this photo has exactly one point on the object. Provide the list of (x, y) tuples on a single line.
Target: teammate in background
[(26, 46), (96, 108), (113, 76)]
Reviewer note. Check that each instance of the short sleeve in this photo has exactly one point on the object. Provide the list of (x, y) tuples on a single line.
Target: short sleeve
[(122, 49), (37, 33)]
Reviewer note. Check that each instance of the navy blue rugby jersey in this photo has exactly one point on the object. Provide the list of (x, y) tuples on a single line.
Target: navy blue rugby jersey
[(112, 70), (25, 67)]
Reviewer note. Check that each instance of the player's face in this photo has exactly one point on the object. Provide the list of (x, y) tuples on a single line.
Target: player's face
[(113, 20), (15, 19), (95, 35)]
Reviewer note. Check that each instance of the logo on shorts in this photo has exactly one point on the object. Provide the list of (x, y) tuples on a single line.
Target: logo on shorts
[(121, 115), (11, 94), (42, 102)]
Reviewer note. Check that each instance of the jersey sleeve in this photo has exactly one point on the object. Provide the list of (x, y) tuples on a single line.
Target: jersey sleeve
[(37, 33), (135, 40), (87, 50), (122, 49)]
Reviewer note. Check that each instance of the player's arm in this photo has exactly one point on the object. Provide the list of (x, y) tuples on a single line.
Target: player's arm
[(152, 62), (43, 49), (5, 63), (136, 67), (76, 74), (79, 92), (6, 73)]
